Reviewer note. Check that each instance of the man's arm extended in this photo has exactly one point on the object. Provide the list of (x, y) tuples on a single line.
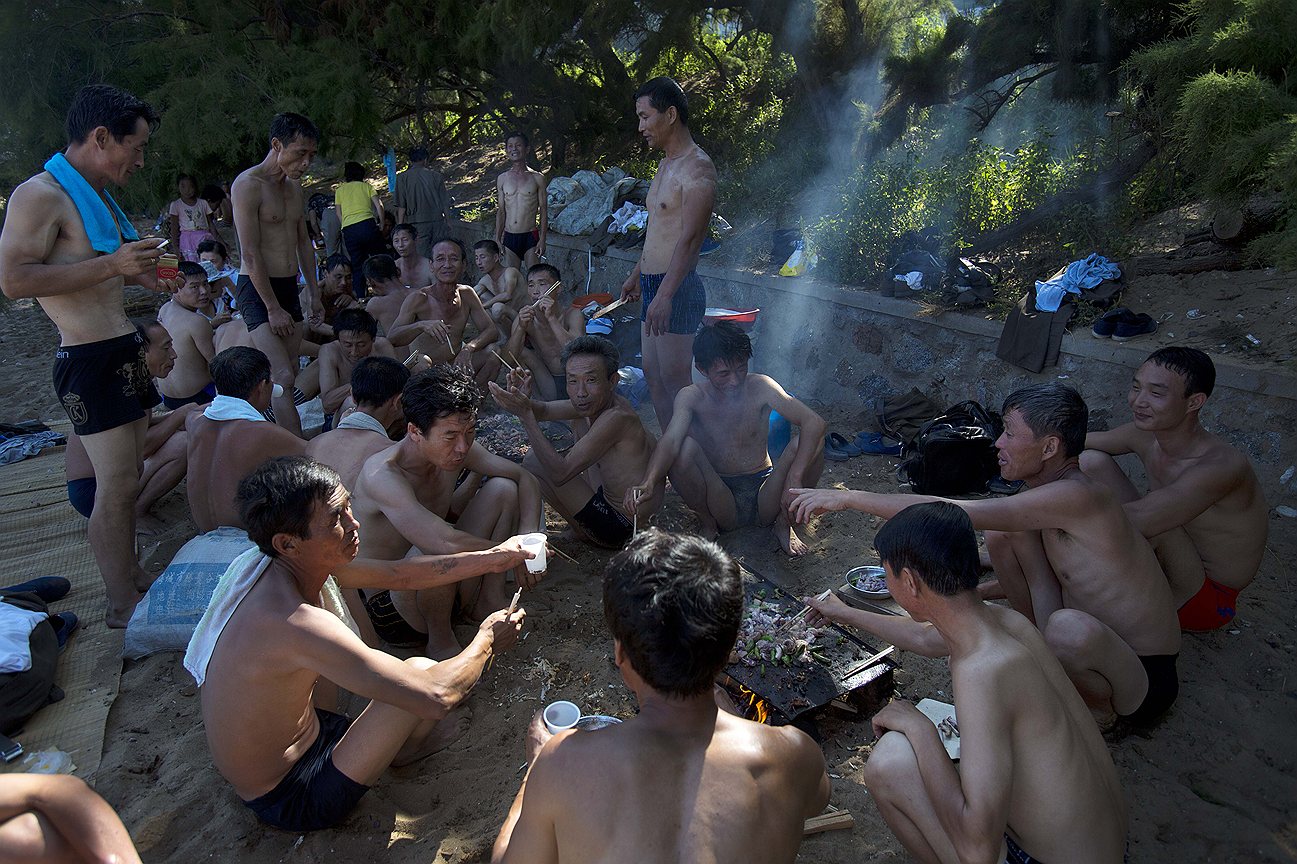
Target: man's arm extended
[(32, 224), (1114, 442), (430, 571), (899, 630), (84, 820), (607, 429), (667, 449), (1047, 506)]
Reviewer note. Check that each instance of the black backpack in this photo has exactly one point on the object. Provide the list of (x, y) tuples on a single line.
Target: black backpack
[(954, 454)]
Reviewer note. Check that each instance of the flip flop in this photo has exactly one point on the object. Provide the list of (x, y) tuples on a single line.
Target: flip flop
[(838, 449), (872, 442), (65, 624)]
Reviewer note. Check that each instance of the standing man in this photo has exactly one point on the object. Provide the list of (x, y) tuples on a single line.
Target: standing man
[(421, 200), (521, 213), (1204, 513), (67, 244), (680, 203), (270, 218)]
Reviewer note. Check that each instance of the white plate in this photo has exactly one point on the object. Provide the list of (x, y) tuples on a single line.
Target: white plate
[(936, 712)]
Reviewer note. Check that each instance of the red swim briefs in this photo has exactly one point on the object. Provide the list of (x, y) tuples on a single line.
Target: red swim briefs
[(1210, 608)]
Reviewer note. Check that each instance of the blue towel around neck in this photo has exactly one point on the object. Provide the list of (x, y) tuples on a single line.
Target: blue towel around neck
[(95, 215)]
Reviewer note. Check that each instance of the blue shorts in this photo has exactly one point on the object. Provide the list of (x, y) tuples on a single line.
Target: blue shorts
[(202, 397), (688, 305), (81, 495), (314, 794)]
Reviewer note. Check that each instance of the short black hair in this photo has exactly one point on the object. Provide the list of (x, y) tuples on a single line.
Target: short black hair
[(489, 245), (674, 603), (211, 244), (381, 268), (280, 497), (723, 340), (1196, 367), (236, 371), (355, 321), (937, 542), (374, 380), (517, 133), (544, 267), (185, 176), (334, 261), (664, 93), (353, 171), (212, 193), (463, 253), (439, 392), (406, 226), (1052, 409), (418, 154), (192, 268), (104, 105), (288, 127), (596, 345), (145, 327)]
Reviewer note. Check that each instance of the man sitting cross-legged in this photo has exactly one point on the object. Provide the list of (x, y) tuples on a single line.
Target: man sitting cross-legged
[(406, 497), (1067, 558), (588, 483), (542, 328), (1204, 512), (715, 448), (499, 286), (165, 441), (357, 338), (232, 436), (190, 380), (682, 780), (1034, 773), (265, 652)]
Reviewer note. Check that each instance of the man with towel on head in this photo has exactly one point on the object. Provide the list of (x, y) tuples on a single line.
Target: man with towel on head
[(232, 436), (274, 639), (67, 244)]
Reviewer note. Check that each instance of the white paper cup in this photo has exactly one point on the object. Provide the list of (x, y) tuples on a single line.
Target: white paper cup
[(535, 544), (561, 715)]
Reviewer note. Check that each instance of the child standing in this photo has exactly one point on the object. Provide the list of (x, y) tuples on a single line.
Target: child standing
[(191, 219)]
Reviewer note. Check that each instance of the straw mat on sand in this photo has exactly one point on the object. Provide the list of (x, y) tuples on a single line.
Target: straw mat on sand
[(44, 536)]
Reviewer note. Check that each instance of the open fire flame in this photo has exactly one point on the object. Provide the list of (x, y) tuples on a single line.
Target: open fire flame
[(753, 706)]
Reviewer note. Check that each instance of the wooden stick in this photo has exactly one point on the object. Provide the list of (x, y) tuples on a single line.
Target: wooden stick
[(560, 553), (515, 360), (824, 595), (861, 667), (506, 363), (599, 313), (833, 820), (513, 604), (551, 290)]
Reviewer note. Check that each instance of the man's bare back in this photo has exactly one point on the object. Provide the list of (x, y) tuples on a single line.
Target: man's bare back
[(346, 451), (192, 338), (221, 454)]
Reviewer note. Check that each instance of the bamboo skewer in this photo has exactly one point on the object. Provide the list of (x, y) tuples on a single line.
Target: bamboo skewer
[(560, 553), (599, 313), (861, 667), (506, 363)]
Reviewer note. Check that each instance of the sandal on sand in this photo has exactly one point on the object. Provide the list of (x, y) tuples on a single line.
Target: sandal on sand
[(838, 449), (873, 442)]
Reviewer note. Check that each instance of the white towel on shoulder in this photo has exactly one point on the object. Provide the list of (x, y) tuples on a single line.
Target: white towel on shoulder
[(235, 584), (232, 408), (361, 420)]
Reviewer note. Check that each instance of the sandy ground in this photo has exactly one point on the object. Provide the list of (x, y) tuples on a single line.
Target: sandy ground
[(1214, 783)]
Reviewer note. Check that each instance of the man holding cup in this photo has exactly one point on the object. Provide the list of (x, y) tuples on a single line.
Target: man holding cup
[(67, 244), (673, 604)]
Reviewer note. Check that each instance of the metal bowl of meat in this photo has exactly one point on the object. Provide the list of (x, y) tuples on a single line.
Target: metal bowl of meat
[(868, 581), (596, 721)]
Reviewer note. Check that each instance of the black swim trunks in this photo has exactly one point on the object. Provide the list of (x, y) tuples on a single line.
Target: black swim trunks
[(314, 794), (1015, 854), (746, 488), (202, 397), (388, 623), (103, 385), (688, 304), (1163, 687), (604, 523), (81, 495), (254, 311), (518, 244)]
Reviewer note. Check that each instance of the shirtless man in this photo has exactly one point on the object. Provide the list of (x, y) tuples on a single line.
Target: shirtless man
[(715, 448), (681, 780), (357, 338), (58, 818), (680, 203), (1067, 558), (298, 766), (1205, 513), (412, 268), (406, 497), (1034, 773), (434, 317), (335, 295), (165, 441), (232, 437), (387, 292), (500, 287), (190, 380), (521, 211), (542, 328), (76, 274), (274, 245), (588, 483)]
